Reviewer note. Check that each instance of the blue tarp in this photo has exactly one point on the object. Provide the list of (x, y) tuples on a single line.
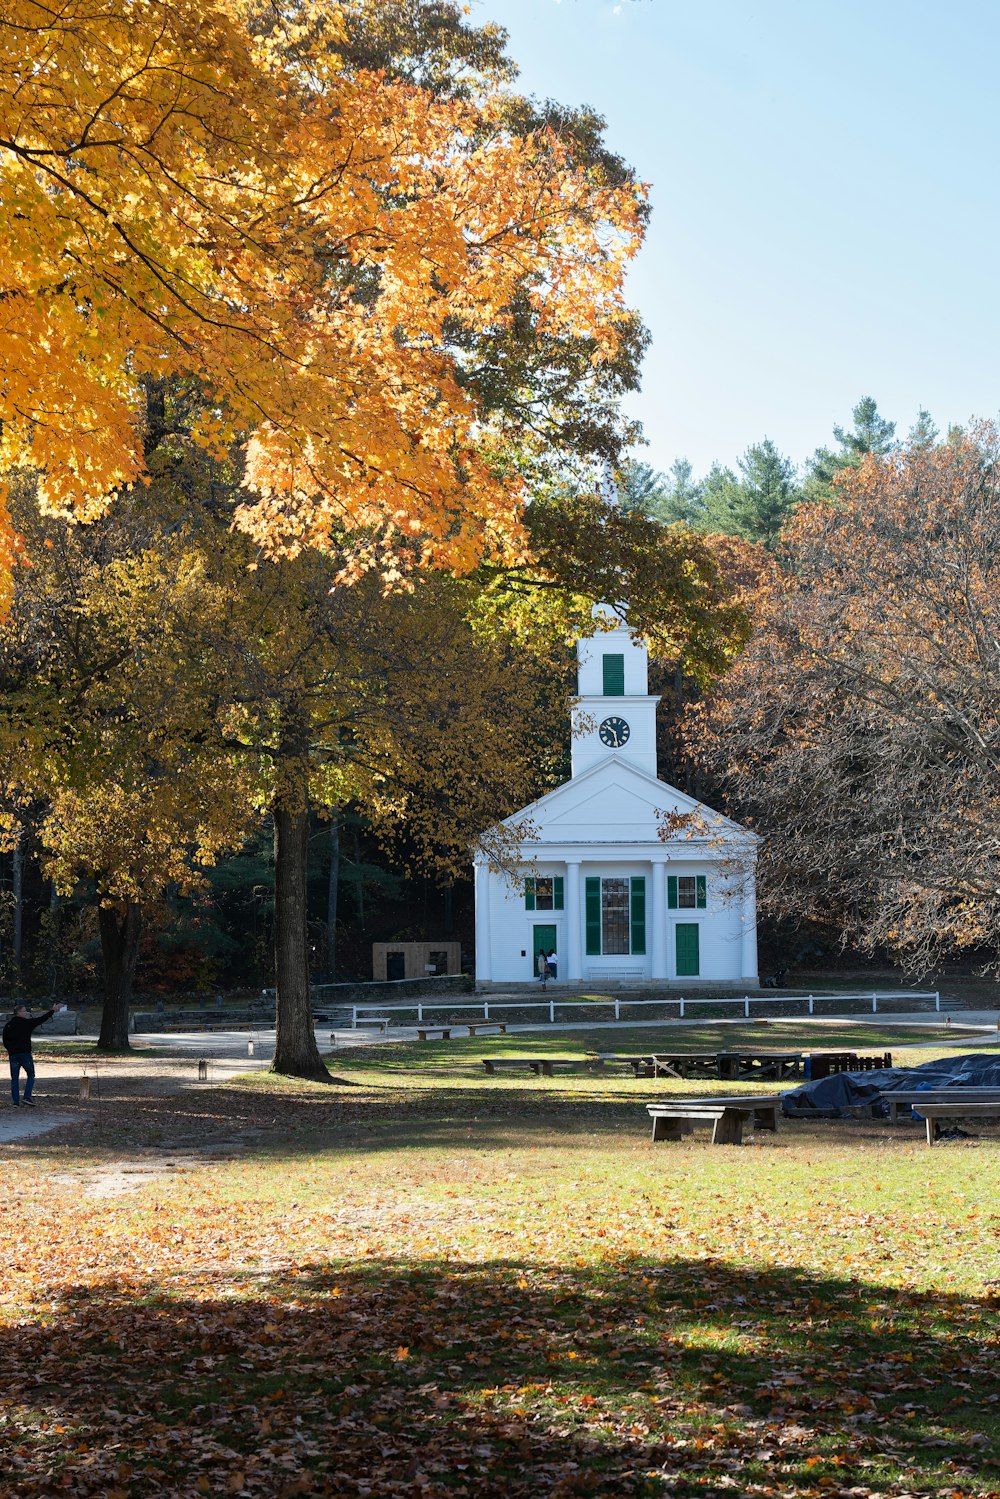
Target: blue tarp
[(848, 1089)]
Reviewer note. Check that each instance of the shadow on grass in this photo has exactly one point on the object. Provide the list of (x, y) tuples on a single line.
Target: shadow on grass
[(508, 1379)]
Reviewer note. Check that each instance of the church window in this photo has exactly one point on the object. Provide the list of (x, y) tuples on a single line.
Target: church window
[(616, 916), (687, 892), (614, 676), (544, 894)]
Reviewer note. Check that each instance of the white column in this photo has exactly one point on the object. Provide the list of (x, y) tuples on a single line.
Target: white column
[(748, 945), (574, 924), (658, 919), (484, 950)]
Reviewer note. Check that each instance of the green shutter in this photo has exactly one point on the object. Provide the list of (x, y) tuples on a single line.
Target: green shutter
[(558, 900), (672, 892), (702, 893), (687, 949), (593, 916), (637, 911), (529, 895), (614, 676)]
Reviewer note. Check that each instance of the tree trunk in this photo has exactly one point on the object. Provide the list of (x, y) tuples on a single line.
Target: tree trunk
[(359, 887), (120, 951), (53, 935), (17, 890), (295, 1053), (331, 901)]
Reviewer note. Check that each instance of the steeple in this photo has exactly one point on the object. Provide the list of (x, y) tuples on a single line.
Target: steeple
[(614, 701)]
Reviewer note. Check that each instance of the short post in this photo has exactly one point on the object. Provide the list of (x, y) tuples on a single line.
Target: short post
[(618, 1009), (354, 1016), (810, 1004), (85, 1089), (420, 1013), (682, 1008), (937, 1004), (333, 1038), (746, 1006), (203, 1069), (250, 1048), (486, 1009), (552, 1011), (874, 1004)]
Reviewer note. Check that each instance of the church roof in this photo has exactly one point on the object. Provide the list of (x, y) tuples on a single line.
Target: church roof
[(617, 802)]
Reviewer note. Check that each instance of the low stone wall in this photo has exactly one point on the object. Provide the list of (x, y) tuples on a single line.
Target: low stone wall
[(59, 1025), (391, 992)]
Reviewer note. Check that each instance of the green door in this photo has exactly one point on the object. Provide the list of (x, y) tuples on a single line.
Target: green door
[(687, 949), (541, 937)]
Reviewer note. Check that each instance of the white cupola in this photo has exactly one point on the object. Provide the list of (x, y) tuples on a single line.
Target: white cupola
[(614, 716)]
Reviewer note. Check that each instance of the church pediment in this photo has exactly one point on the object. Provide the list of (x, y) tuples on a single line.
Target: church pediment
[(616, 800)]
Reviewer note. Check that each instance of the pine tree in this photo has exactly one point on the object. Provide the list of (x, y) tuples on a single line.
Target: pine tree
[(871, 433), (682, 498), (757, 505), (923, 434)]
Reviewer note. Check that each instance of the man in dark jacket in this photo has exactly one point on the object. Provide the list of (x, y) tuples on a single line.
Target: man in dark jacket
[(17, 1040)]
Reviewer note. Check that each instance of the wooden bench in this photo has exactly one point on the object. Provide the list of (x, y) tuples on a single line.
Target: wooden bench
[(444, 1031), (907, 1099), (543, 1066), (955, 1109), (488, 1025), (673, 1119)]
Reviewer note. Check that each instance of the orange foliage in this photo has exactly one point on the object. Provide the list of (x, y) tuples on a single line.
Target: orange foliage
[(182, 191)]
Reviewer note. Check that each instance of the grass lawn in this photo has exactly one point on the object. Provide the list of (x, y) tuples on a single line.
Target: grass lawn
[(437, 1283)]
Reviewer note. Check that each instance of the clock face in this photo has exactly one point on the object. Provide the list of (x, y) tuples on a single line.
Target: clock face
[(614, 732)]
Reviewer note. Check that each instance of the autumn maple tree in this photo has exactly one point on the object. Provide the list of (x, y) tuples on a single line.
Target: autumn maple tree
[(196, 188), (385, 293)]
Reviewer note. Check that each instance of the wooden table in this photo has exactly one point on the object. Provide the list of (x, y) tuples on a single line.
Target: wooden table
[(674, 1118), (682, 1064), (734, 1066)]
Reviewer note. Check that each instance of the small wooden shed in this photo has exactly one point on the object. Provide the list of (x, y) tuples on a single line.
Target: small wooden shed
[(415, 960)]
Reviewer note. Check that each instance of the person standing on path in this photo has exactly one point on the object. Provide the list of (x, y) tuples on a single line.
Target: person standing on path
[(543, 967), (17, 1041)]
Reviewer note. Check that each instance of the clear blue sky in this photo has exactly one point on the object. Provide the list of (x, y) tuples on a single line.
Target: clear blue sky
[(825, 207)]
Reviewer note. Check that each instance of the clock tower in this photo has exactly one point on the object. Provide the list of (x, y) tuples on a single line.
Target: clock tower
[(614, 716)]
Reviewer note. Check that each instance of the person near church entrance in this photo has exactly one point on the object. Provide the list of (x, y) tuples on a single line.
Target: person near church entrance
[(17, 1043), (553, 960), (543, 967)]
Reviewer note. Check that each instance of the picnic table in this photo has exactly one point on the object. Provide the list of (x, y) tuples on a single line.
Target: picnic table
[(676, 1117), (676, 1064), (774, 1065), (733, 1066)]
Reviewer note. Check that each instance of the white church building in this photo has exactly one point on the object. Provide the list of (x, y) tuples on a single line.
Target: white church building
[(622, 876)]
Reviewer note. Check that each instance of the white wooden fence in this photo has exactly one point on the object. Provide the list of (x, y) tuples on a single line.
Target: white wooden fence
[(483, 1007)]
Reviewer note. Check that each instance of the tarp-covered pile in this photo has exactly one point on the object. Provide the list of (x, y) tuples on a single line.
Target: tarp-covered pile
[(831, 1095)]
